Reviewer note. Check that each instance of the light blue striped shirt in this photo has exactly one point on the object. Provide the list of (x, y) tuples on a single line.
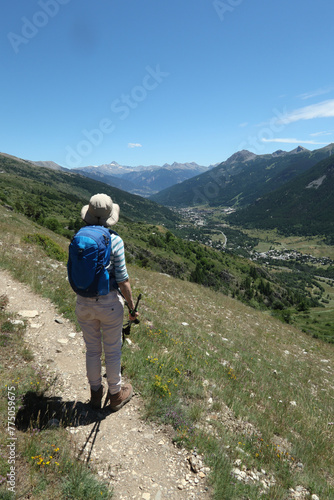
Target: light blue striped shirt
[(117, 259)]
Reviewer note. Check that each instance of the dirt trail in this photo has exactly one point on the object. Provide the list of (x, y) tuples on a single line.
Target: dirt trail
[(138, 459)]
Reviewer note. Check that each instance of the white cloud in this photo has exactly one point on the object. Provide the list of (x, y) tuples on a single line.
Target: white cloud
[(292, 141), (315, 93), (324, 109), (244, 124), (134, 145), (316, 134)]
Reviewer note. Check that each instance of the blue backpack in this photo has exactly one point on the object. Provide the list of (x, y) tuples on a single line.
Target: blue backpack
[(89, 260)]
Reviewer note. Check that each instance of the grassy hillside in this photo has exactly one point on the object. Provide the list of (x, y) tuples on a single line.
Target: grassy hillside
[(55, 198), (253, 395)]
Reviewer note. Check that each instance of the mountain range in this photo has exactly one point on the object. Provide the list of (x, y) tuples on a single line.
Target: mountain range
[(242, 178), (290, 191), (141, 180)]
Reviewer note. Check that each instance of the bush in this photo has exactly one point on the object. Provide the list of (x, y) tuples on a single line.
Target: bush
[(51, 248)]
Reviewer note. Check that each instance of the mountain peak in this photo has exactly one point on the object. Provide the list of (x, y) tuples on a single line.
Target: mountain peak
[(242, 155), (279, 152), (299, 149)]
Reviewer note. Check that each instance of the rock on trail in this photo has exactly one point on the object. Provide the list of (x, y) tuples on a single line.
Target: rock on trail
[(137, 459)]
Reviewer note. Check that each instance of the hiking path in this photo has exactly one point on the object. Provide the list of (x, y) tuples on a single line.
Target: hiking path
[(135, 457)]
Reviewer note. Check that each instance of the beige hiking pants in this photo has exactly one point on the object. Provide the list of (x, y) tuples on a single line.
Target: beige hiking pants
[(101, 321)]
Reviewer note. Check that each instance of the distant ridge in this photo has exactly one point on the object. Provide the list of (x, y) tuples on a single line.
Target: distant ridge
[(36, 189), (242, 178), (49, 164), (142, 180), (304, 205)]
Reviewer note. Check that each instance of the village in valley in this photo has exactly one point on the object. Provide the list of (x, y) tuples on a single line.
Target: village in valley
[(210, 228), (288, 255)]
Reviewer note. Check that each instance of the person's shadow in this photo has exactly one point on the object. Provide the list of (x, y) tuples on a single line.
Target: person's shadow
[(39, 412)]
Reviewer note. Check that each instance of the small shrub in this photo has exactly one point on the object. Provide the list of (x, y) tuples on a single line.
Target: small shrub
[(80, 484), (51, 248)]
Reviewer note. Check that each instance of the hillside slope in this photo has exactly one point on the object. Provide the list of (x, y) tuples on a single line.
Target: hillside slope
[(242, 178), (37, 191), (253, 396), (49, 164), (305, 205), (56, 344)]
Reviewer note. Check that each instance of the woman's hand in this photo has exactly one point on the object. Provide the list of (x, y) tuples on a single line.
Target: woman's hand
[(133, 316)]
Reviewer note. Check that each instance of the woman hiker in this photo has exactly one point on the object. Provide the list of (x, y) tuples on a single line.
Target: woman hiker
[(101, 317)]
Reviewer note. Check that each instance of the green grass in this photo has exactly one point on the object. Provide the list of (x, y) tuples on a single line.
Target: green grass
[(318, 322), (192, 366), (232, 381), (252, 381), (51, 248)]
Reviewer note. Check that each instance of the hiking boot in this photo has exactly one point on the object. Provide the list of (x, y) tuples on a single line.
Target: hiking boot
[(123, 396), (96, 398)]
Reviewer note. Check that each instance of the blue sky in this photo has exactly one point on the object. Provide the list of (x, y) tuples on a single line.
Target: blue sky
[(147, 82)]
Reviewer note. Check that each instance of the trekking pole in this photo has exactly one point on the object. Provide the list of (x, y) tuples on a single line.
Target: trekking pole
[(127, 327), (132, 312)]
